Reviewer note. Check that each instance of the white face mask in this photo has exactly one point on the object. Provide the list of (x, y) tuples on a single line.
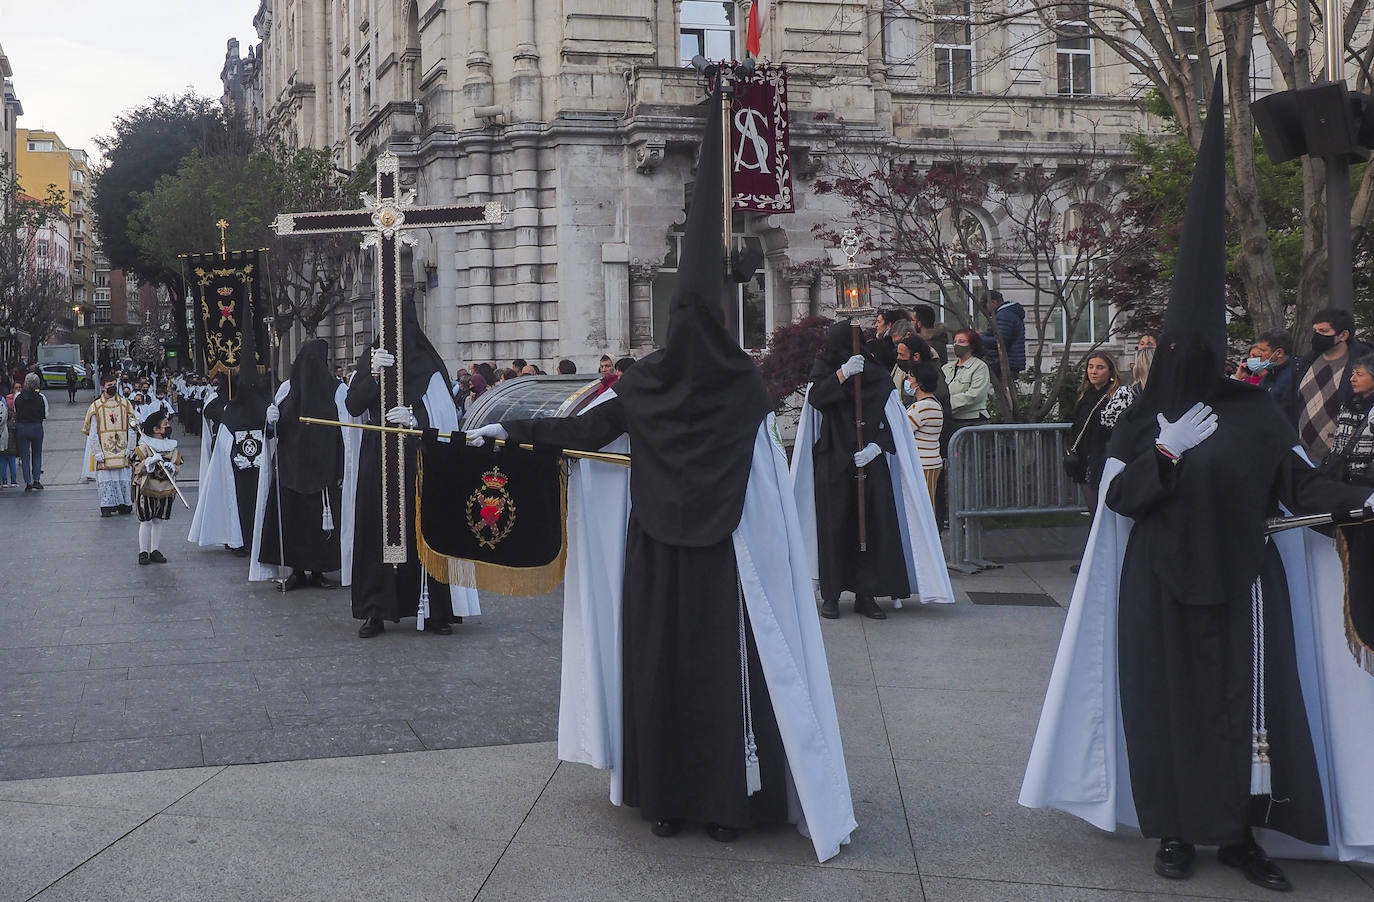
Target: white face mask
[(1256, 365)]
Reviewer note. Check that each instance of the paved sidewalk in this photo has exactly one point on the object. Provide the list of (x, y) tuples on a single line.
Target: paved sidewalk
[(135, 701)]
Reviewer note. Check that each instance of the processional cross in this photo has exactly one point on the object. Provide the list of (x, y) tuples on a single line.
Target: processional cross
[(384, 221)]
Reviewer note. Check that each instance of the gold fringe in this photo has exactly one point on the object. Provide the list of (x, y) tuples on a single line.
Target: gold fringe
[(493, 577), (1364, 655)]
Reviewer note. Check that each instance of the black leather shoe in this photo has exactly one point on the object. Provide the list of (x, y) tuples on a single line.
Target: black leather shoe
[(1174, 859), (372, 626), (319, 582), (156, 557), (143, 558), (126, 508), (438, 628), (865, 605), (830, 610), (294, 581), (722, 834), (1257, 867), (38, 486), (240, 551), (107, 512), (670, 827)]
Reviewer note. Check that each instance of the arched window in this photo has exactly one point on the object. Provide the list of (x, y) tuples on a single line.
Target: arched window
[(966, 240), (1083, 229)]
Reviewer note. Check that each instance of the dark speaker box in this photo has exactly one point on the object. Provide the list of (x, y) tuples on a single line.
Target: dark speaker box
[(1328, 125), (1280, 127)]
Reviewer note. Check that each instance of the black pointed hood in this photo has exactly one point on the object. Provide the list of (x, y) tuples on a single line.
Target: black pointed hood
[(309, 458), (694, 407)]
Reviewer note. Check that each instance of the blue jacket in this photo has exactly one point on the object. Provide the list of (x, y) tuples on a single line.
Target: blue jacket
[(1011, 325)]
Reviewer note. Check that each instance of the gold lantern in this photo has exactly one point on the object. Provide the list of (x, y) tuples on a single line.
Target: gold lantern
[(853, 291)]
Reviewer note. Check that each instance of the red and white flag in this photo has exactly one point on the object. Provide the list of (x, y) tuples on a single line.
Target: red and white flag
[(758, 24)]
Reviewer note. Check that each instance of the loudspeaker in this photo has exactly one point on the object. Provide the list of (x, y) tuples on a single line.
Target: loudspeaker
[(1280, 127), (1328, 123)]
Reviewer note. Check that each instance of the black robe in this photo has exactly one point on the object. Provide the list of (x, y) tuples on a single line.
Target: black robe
[(1184, 624), (380, 589), (681, 689), (308, 545), (881, 570)]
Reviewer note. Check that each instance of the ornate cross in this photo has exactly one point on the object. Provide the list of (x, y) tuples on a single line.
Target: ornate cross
[(223, 226), (383, 222)]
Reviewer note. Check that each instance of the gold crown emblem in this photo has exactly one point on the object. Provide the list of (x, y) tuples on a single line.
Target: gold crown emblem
[(494, 479), (225, 291)]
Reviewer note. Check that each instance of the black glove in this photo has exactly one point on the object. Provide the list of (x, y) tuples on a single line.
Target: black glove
[(1346, 517)]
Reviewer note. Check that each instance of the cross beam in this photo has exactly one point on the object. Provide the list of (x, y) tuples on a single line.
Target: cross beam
[(383, 222)]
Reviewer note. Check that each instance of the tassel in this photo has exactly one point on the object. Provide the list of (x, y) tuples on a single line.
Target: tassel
[(753, 777), (422, 611), (1261, 773), (897, 603), (327, 519)]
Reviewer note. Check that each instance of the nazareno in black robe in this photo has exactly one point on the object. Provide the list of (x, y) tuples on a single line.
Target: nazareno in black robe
[(380, 589), (243, 419), (881, 570), (682, 699), (309, 468), (1184, 632)]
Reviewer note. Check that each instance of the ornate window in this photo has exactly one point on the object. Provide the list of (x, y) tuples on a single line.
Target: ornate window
[(963, 232), (953, 47), (1073, 51)]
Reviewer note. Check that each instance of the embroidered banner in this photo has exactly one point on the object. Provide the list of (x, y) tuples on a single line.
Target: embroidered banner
[(491, 520), (760, 147), (225, 290)]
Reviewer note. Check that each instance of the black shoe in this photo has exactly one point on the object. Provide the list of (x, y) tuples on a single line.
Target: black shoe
[(372, 626), (319, 582), (107, 512), (28, 486), (670, 827), (38, 486), (1174, 859), (241, 551), (1257, 867), (143, 558), (126, 508), (156, 557), (722, 834), (438, 628), (865, 605), (830, 609), (294, 581)]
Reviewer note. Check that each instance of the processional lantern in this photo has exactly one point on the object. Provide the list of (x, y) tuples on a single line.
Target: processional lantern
[(853, 289)]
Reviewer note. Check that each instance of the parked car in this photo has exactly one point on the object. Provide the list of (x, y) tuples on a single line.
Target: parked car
[(55, 374)]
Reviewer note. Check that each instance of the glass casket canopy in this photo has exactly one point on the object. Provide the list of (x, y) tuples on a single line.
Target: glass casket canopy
[(532, 397)]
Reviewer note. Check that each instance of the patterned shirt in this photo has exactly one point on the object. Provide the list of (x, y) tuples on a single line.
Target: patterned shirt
[(1318, 404), (1355, 418)]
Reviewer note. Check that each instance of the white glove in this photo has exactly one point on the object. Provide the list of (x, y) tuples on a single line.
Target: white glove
[(100, 457), (865, 457), (273, 414), (479, 437), (168, 469), (853, 366), (400, 415), (1369, 502), (1188, 431), (382, 358)]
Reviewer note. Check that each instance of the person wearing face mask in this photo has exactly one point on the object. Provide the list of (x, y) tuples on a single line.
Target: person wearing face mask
[(1251, 369), (969, 381), (1323, 379), (111, 432), (1277, 378)]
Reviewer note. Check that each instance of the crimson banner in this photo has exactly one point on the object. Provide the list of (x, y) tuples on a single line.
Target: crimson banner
[(760, 151)]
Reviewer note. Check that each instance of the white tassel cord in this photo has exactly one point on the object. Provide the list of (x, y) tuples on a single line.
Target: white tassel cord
[(422, 611), (753, 779), (327, 518), (1261, 775)]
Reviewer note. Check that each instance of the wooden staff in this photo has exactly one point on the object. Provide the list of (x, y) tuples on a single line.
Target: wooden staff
[(859, 433), (622, 460)]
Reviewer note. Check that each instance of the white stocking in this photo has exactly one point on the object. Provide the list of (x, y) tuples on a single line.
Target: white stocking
[(145, 536), (156, 533)]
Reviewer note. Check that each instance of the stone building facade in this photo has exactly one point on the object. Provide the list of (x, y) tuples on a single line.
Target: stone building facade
[(582, 117)]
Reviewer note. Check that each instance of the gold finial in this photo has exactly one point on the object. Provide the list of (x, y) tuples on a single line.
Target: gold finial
[(223, 226)]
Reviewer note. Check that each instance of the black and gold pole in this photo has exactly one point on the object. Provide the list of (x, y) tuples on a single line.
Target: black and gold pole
[(854, 299), (622, 460)]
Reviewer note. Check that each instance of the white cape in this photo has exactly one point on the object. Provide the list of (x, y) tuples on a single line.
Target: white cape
[(443, 416), (1078, 763), (771, 559), (927, 575), (216, 520)]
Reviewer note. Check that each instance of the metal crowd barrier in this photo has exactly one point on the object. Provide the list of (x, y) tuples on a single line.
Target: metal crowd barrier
[(1001, 470)]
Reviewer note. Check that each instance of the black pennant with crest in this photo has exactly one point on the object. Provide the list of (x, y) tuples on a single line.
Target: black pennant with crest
[(491, 519), (224, 290)]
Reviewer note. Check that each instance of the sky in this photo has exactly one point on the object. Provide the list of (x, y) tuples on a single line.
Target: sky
[(78, 64)]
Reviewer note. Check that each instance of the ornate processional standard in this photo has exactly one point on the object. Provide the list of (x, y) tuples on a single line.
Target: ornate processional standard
[(383, 222)]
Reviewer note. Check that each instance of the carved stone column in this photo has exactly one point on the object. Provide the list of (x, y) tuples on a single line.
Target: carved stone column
[(642, 277)]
